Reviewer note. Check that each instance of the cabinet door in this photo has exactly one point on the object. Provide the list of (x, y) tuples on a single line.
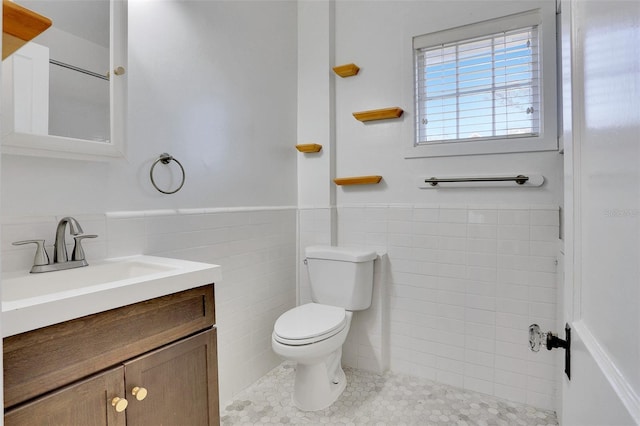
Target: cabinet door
[(86, 403), (181, 383)]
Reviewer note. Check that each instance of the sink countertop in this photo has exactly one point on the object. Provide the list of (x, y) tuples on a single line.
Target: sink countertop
[(31, 301)]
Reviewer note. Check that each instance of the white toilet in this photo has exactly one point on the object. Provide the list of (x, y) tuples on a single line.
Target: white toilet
[(313, 334)]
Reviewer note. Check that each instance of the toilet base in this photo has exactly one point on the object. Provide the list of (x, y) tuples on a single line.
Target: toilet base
[(319, 378), (319, 385)]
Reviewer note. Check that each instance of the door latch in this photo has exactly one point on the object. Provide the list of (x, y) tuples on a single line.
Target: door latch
[(550, 340)]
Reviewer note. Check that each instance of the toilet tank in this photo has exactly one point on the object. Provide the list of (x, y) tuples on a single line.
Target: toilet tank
[(341, 276)]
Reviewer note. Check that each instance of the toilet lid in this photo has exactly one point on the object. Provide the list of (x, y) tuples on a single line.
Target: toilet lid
[(312, 321)]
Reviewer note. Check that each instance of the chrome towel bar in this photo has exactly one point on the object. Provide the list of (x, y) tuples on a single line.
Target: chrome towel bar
[(78, 69), (515, 180), (520, 179)]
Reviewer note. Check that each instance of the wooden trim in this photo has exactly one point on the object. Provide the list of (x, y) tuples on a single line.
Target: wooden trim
[(19, 25), (309, 147), (347, 70), (378, 114), (358, 180)]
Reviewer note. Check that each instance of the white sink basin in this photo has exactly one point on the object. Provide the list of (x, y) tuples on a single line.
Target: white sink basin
[(79, 279), (31, 301)]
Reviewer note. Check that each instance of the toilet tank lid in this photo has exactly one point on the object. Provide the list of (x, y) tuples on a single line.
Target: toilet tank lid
[(345, 254)]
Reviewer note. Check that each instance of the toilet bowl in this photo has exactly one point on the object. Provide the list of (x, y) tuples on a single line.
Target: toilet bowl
[(312, 335), (316, 346)]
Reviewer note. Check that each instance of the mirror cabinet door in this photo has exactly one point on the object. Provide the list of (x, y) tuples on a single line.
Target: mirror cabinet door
[(64, 93)]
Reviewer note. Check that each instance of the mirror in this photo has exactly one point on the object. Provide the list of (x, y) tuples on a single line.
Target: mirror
[(63, 93)]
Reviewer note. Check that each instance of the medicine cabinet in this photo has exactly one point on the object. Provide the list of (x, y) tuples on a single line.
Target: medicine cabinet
[(64, 93)]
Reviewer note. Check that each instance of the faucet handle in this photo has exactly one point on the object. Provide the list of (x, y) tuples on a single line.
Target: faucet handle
[(78, 251), (41, 257)]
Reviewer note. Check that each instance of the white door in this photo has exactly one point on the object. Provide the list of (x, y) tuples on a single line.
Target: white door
[(601, 106)]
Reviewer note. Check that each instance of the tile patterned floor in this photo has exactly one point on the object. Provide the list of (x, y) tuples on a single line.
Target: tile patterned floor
[(369, 399)]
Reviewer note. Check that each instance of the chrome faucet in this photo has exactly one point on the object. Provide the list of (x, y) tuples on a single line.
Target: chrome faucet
[(61, 260), (60, 246)]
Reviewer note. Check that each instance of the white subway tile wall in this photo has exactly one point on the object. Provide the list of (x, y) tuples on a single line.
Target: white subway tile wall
[(255, 246), (465, 282), (315, 227), (367, 345)]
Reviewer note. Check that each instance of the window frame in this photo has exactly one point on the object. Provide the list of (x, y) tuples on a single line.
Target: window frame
[(547, 140)]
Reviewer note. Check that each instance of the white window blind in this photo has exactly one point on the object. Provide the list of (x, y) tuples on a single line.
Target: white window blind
[(481, 88)]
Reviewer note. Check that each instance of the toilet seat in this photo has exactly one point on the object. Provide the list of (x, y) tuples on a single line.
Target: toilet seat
[(308, 324)]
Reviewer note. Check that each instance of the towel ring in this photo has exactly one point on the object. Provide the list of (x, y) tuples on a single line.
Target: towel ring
[(166, 159)]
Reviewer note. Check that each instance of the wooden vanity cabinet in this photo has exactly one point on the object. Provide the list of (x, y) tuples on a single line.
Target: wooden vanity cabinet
[(178, 380), (82, 403), (174, 372)]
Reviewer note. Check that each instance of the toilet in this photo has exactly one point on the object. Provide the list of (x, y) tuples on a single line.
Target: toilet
[(312, 335)]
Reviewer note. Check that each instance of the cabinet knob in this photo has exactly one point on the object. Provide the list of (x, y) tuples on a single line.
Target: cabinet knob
[(120, 404), (119, 71), (139, 392)]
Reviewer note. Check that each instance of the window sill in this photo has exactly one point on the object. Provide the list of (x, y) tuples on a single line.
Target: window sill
[(480, 147)]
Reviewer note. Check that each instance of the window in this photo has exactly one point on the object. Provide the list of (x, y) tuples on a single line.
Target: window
[(486, 87), (479, 89)]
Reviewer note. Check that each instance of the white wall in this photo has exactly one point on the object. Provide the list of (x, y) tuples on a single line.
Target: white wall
[(316, 103), (316, 124), (377, 37), (214, 84), (463, 284)]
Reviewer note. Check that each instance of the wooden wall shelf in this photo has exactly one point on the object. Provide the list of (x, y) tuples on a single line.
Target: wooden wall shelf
[(19, 26), (358, 180), (309, 147), (347, 70), (378, 114)]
